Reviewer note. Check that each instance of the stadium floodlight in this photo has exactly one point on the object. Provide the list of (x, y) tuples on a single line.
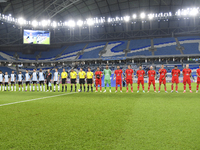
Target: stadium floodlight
[(194, 11), (126, 18), (21, 20), (151, 16), (54, 24), (44, 23), (90, 21), (142, 15), (79, 23), (134, 16), (109, 19), (71, 23), (34, 23)]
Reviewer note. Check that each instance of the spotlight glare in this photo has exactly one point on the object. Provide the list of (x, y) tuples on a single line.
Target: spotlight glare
[(71, 23), (151, 16), (80, 23), (21, 20), (34, 23), (194, 12), (126, 18), (44, 23), (134, 16), (54, 24), (142, 15), (90, 22)]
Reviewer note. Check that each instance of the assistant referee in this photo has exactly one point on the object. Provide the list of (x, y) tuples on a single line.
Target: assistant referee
[(82, 76), (73, 77), (64, 78), (89, 79)]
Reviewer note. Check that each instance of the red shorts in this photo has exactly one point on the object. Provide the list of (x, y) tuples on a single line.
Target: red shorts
[(152, 82), (140, 81), (186, 80), (198, 81), (98, 82), (118, 81), (129, 81), (175, 80), (162, 81)]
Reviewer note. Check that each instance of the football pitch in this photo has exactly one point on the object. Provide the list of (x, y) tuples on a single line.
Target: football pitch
[(100, 121)]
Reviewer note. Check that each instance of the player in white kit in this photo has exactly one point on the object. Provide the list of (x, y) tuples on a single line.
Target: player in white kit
[(27, 80), (34, 78), (6, 81), (20, 80), (56, 78), (13, 80), (41, 80), (1, 80)]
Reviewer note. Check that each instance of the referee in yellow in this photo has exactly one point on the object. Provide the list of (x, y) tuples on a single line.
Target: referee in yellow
[(89, 79), (73, 78), (82, 76), (64, 79)]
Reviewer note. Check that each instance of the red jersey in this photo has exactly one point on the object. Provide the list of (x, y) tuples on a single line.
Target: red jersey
[(98, 74), (198, 72), (140, 74), (186, 73), (129, 73), (175, 73), (118, 74), (151, 74), (162, 73)]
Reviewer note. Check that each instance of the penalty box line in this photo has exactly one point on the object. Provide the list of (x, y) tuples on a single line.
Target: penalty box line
[(35, 99)]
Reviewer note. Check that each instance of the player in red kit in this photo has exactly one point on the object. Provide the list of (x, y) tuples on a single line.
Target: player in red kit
[(140, 74), (98, 75), (151, 75), (175, 78), (118, 73), (186, 77), (162, 79), (129, 78), (198, 79)]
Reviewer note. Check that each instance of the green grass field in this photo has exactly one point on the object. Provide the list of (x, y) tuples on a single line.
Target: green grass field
[(101, 121), (46, 41)]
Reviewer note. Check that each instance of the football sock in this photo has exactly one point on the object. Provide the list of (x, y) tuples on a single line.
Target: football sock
[(54, 87), (81, 87), (177, 87), (138, 87), (22, 88), (116, 87), (37, 88), (100, 87), (19, 88), (33, 87), (5, 87), (96, 87), (110, 86), (62, 87), (15, 87), (88, 88), (8, 87), (58, 87), (71, 87), (127, 88), (131, 88), (30, 87), (143, 87), (91, 88), (65, 88), (184, 87), (159, 88), (44, 87), (172, 87), (75, 87), (84, 87), (120, 87), (154, 87), (26, 87), (190, 87), (165, 89), (40, 88), (148, 87), (0, 88), (197, 87), (11, 87)]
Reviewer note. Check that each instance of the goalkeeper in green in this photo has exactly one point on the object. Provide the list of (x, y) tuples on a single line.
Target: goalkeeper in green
[(107, 74)]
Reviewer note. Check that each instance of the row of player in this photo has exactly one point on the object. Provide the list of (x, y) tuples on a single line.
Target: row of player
[(88, 77)]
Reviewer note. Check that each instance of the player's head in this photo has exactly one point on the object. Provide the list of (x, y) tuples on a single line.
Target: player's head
[(129, 66), (40, 70), (176, 67), (140, 67), (33, 70), (187, 66), (0, 72), (48, 70), (89, 69), (12, 72), (26, 71), (56, 69), (72, 70), (63, 69), (98, 69), (151, 67), (20, 72), (81, 69), (162, 66), (118, 67), (106, 66), (6, 73)]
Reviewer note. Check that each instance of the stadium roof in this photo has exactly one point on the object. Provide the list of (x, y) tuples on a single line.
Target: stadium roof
[(62, 10)]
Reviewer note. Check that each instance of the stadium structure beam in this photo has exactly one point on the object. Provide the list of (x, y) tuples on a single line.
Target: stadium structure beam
[(56, 7)]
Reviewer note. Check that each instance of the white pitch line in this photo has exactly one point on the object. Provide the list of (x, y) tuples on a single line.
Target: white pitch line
[(34, 99)]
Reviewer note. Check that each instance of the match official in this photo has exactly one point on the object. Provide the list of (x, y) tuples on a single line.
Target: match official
[(64, 78)]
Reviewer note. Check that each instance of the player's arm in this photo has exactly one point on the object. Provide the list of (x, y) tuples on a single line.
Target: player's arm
[(160, 70), (114, 77), (15, 78), (197, 74)]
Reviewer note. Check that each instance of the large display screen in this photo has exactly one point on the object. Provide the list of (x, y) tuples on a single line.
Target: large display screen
[(36, 37)]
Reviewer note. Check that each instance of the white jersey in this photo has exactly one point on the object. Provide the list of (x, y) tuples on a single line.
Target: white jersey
[(41, 76), (6, 77), (20, 77), (27, 77), (56, 75), (34, 76), (1, 77), (12, 77)]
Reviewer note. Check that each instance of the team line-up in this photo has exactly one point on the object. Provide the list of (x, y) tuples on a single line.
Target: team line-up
[(10, 80)]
